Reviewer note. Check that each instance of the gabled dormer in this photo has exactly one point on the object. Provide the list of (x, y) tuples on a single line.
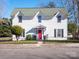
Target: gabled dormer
[(39, 13), (39, 18), (60, 17), (20, 17)]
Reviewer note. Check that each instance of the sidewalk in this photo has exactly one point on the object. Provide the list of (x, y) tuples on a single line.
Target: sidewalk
[(20, 46)]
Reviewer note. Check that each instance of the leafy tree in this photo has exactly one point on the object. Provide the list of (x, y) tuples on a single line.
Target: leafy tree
[(8, 21), (72, 28), (16, 30), (5, 31), (5, 21), (2, 22)]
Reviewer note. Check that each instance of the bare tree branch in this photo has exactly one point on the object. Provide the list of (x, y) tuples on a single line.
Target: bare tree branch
[(49, 5)]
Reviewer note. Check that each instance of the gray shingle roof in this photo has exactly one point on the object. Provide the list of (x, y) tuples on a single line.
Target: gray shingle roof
[(43, 11)]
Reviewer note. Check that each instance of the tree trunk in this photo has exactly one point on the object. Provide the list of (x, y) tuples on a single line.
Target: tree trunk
[(17, 37)]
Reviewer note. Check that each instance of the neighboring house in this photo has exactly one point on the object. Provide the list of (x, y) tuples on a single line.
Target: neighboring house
[(42, 22), (3, 22)]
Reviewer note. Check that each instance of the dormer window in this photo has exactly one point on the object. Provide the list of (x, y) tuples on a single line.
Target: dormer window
[(39, 19), (20, 19), (59, 18)]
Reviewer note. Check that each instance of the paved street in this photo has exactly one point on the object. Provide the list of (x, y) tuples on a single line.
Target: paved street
[(53, 51)]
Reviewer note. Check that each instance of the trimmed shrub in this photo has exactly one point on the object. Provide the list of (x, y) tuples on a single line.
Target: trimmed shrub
[(28, 37), (34, 37)]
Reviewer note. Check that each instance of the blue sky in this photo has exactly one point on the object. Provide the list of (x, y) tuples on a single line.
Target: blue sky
[(11, 4)]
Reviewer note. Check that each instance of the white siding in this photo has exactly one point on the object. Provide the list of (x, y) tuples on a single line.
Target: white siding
[(50, 24)]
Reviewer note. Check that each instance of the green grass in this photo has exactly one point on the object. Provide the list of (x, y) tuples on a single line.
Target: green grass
[(19, 42), (62, 41), (34, 42), (7, 40)]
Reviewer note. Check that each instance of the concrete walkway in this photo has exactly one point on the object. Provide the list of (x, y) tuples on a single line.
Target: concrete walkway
[(22, 46)]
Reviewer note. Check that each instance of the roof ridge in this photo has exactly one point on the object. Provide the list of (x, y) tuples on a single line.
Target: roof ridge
[(40, 8)]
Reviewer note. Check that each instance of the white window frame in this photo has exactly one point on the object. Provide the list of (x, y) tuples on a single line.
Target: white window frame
[(59, 33)]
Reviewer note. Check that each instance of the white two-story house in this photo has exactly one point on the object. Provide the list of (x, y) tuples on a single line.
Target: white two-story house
[(42, 22)]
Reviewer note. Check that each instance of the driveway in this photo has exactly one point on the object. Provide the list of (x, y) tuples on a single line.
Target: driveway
[(47, 51)]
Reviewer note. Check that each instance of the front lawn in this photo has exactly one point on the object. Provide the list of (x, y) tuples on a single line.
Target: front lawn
[(35, 42), (19, 42), (61, 41), (5, 39), (8, 40)]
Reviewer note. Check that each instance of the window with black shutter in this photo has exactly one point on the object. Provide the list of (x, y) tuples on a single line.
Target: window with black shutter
[(39, 19), (60, 33), (59, 18), (20, 19)]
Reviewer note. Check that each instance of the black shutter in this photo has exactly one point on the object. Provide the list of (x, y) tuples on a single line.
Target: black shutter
[(54, 32), (62, 33)]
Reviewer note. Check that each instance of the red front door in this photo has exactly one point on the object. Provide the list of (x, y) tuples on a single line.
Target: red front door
[(40, 35)]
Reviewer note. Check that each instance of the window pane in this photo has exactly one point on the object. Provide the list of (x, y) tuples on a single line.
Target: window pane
[(59, 33)]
